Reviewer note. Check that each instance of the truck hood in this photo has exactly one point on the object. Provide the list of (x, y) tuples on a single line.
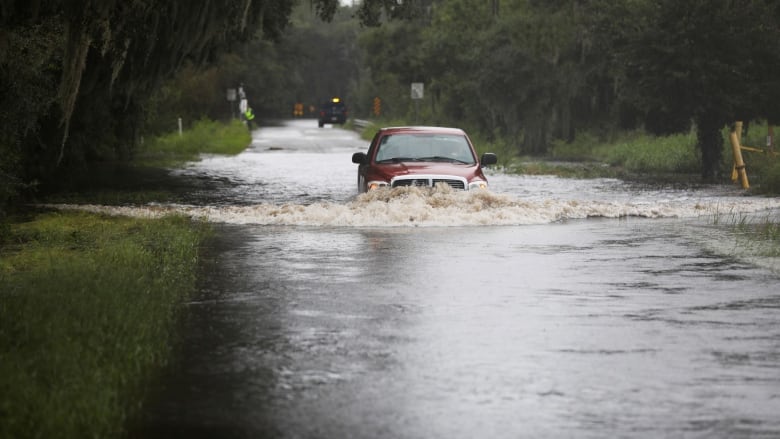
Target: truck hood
[(429, 168)]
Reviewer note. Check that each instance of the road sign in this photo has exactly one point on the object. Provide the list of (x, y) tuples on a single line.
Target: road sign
[(417, 90)]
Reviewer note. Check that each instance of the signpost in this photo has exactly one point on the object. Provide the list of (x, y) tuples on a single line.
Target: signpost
[(231, 97), (417, 90), (243, 105), (417, 95)]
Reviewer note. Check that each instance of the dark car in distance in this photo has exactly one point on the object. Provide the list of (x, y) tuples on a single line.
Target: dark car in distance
[(421, 156), (333, 111)]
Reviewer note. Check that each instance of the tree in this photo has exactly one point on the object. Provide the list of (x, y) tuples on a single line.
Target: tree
[(77, 74), (522, 70), (710, 62)]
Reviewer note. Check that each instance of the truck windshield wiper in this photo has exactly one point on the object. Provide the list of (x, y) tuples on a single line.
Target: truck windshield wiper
[(439, 158), (399, 160)]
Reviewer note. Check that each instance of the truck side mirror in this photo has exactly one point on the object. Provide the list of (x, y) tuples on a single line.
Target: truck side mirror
[(488, 158), (360, 158)]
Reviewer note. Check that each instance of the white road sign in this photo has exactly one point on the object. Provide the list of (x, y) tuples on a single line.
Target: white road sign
[(417, 90)]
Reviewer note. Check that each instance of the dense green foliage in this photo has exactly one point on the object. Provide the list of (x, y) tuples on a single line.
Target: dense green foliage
[(87, 309), (536, 72), (79, 73), (86, 80)]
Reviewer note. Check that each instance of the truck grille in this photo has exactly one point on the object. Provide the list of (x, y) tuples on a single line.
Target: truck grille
[(428, 181)]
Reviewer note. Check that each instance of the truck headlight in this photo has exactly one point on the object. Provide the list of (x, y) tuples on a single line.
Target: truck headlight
[(372, 185), (478, 184)]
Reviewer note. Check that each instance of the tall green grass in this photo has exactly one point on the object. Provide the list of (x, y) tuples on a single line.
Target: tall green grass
[(764, 174), (665, 156), (87, 310), (205, 136), (645, 153), (636, 152), (754, 237)]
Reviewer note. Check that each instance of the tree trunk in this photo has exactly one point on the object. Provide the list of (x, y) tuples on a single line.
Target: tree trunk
[(535, 135), (710, 142)]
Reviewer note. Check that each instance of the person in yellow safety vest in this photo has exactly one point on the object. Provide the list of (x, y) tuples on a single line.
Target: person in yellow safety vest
[(249, 116)]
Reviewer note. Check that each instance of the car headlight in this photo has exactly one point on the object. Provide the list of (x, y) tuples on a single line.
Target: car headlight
[(478, 184), (372, 185)]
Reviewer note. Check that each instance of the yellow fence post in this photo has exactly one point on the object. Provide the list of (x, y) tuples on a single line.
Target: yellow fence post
[(739, 164)]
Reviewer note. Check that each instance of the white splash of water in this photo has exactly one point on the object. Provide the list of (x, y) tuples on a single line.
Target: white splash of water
[(442, 206)]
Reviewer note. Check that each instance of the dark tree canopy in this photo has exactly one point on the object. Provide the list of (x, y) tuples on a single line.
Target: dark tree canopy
[(77, 74), (535, 72), (710, 62), (118, 50)]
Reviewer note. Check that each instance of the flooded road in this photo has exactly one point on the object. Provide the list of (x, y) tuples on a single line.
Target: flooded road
[(545, 308)]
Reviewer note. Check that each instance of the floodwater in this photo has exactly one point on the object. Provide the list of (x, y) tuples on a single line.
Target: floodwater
[(544, 308)]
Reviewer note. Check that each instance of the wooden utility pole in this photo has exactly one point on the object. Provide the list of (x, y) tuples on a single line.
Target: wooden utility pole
[(739, 164)]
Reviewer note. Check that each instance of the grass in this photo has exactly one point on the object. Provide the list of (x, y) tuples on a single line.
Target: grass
[(764, 175), (642, 153), (88, 303), (87, 310), (205, 136), (763, 169), (633, 155), (753, 237), (639, 155), (767, 232)]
